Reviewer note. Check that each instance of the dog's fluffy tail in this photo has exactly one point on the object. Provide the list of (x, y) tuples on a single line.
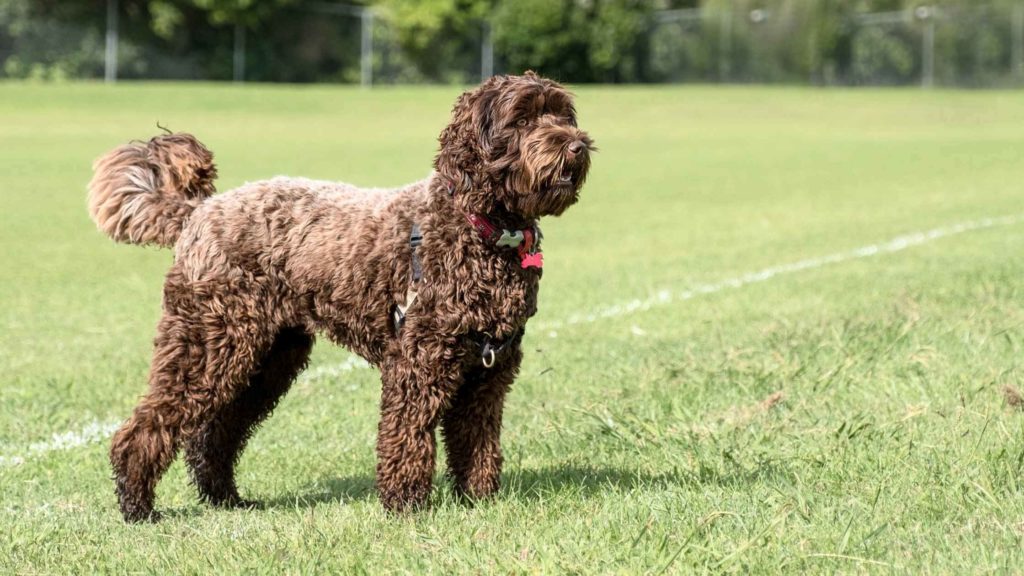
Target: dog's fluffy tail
[(143, 192)]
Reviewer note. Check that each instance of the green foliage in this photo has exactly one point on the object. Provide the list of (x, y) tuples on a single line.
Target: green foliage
[(68, 44), (583, 41), (56, 39), (440, 41), (878, 54), (249, 12), (542, 35)]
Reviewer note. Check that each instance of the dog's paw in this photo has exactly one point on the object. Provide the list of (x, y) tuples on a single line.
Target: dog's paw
[(404, 501), (246, 504), (142, 517), (471, 493), (234, 502)]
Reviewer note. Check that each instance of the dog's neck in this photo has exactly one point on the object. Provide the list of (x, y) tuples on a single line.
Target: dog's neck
[(504, 218), (525, 241), (498, 214), (499, 227)]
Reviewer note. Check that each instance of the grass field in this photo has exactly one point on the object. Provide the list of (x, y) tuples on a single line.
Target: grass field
[(847, 414)]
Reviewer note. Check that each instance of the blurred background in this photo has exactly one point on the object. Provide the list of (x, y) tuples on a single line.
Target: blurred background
[(968, 43)]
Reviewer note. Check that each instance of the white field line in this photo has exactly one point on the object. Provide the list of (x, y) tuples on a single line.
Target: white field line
[(90, 433), (98, 431), (668, 296)]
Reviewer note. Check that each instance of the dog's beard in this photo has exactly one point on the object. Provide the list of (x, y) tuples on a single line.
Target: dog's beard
[(548, 179)]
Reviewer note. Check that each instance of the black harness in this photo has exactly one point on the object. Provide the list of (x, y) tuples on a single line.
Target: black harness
[(416, 265), (490, 351)]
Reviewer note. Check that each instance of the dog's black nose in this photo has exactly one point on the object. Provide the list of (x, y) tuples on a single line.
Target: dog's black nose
[(576, 147)]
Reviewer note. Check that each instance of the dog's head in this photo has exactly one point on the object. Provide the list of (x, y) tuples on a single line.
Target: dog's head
[(513, 144)]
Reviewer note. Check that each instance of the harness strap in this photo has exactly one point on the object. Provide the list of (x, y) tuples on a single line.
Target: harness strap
[(490, 353), (416, 273)]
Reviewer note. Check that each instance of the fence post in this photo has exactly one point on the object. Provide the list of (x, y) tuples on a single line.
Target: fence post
[(725, 46), (366, 48), (1018, 39), (759, 72), (110, 58), (928, 73), (927, 14), (239, 56), (486, 52)]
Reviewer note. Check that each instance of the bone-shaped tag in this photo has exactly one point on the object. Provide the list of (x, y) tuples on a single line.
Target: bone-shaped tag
[(533, 260)]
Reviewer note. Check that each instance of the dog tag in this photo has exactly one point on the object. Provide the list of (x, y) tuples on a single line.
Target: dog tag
[(533, 260)]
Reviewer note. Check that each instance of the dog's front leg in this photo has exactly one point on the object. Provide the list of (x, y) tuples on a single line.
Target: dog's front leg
[(472, 427), (417, 388)]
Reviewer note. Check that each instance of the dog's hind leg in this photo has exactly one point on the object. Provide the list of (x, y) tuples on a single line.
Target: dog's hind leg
[(146, 444), (200, 363), (212, 453), (471, 427)]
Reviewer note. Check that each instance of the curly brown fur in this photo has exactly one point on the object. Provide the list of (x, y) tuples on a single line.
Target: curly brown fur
[(141, 193), (260, 269)]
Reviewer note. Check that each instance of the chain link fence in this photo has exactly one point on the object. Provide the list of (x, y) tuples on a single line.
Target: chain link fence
[(980, 46)]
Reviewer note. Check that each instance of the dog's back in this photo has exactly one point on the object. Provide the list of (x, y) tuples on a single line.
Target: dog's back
[(293, 228), (319, 252)]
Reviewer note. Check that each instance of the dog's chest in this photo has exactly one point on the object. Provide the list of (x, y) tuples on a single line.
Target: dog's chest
[(509, 302), (489, 294)]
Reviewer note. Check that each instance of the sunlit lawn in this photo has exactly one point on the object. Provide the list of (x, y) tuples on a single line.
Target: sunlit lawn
[(845, 418)]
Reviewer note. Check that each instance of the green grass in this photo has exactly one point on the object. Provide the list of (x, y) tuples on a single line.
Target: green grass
[(847, 418)]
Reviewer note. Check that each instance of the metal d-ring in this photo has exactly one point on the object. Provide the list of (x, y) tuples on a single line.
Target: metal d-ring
[(489, 356)]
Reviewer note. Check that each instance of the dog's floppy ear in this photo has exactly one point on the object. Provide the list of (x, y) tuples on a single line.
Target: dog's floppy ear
[(458, 139), (467, 138), (484, 118)]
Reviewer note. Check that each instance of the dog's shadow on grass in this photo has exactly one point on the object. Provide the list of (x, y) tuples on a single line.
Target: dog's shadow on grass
[(336, 489), (528, 484), (349, 489), (517, 484), (579, 481)]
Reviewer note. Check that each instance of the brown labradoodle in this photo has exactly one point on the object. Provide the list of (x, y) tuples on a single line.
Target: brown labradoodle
[(433, 283)]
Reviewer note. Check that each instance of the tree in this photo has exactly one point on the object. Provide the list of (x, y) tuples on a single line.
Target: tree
[(578, 40), (440, 39)]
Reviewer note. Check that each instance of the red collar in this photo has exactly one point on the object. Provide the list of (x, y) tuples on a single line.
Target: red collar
[(525, 241)]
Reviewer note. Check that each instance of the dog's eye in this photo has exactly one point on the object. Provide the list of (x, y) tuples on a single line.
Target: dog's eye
[(521, 122)]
